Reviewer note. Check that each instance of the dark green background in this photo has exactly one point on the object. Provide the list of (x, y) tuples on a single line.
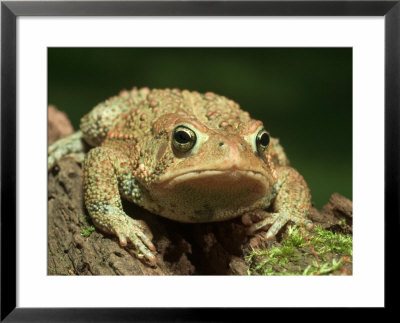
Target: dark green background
[(303, 95)]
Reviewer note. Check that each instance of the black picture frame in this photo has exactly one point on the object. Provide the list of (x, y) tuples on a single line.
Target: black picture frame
[(10, 10)]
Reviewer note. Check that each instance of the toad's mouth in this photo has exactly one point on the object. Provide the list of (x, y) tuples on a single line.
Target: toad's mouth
[(211, 193), (219, 178)]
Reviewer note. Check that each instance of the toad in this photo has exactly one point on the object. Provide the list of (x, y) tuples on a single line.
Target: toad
[(186, 156)]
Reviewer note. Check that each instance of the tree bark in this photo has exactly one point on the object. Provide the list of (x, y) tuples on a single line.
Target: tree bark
[(75, 248), (183, 249)]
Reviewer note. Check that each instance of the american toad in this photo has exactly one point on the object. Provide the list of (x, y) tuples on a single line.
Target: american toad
[(187, 156)]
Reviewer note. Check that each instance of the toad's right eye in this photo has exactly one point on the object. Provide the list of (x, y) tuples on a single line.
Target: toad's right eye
[(183, 138), (262, 140)]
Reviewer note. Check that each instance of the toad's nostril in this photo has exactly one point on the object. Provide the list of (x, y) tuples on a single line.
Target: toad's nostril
[(221, 143)]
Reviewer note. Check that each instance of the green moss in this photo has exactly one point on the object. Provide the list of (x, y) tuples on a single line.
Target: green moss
[(324, 268), (320, 252), (325, 241), (86, 232)]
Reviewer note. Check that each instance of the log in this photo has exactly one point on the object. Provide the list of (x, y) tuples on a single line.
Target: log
[(75, 247), (58, 125), (183, 249)]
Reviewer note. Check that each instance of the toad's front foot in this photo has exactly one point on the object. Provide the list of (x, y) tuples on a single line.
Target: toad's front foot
[(130, 231), (133, 232), (260, 219)]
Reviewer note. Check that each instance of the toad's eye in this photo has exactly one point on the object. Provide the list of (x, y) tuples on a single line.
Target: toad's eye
[(262, 140), (183, 138)]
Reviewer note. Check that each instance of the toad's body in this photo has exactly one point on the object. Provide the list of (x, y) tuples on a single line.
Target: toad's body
[(188, 157)]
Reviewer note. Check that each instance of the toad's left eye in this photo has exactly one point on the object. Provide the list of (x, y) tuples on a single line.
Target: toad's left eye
[(262, 140), (183, 138)]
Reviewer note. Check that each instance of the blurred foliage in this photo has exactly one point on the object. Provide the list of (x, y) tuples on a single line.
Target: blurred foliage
[(303, 95)]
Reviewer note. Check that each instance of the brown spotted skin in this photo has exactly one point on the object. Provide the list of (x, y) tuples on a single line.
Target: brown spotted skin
[(223, 176)]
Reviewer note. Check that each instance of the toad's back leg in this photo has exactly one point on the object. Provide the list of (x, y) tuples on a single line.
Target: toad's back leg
[(101, 119)]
